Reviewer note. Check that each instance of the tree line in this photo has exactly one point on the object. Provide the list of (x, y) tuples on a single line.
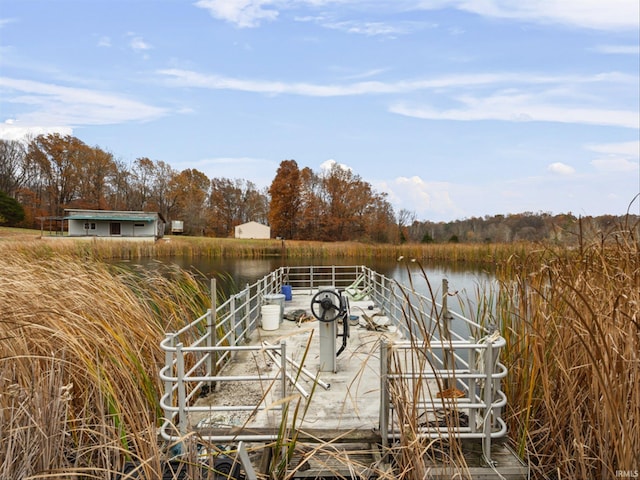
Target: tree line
[(42, 176)]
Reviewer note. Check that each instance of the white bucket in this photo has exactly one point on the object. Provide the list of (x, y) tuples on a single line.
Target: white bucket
[(276, 299), (270, 317)]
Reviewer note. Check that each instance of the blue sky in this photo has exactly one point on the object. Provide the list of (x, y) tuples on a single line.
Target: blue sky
[(455, 108)]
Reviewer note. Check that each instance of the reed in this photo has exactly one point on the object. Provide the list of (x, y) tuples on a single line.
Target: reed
[(572, 325), (486, 255), (79, 363)]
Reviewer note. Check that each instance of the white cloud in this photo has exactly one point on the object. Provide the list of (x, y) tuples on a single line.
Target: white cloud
[(189, 78), (6, 21), (521, 108), (618, 49), (138, 44), (561, 168), (327, 165), (631, 149), (55, 105), (595, 14), (243, 13), (615, 164), (427, 199), (104, 41), (619, 157), (11, 130)]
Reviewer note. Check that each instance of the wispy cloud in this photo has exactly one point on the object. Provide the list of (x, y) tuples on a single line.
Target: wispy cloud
[(189, 78), (561, 168), (138, 44), (521, 107), (618, 157), (104, 41), (427, 199), (615, 164), (630, 149), (592, 14), (11, 130), (242, 13), (51, 104), (618, 49), (6, 21)]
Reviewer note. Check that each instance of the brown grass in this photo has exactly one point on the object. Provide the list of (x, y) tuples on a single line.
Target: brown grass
[(572, 324), (79, 364)]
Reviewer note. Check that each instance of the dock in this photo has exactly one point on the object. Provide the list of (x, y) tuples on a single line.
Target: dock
[(383, 387)]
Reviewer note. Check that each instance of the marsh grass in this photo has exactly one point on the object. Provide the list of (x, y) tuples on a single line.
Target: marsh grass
[(79, 363), (572, 325), (207, 247)]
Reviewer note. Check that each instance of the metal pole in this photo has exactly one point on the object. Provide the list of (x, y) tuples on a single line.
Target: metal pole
[(247, 313), (182, 392), (211, 327), (168, 362), (384, 393), (488, 399), (232, 323), (283, 367), (447, 354)]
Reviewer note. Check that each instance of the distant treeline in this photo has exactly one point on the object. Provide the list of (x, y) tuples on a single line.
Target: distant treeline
[(40, 177), (564, 229)]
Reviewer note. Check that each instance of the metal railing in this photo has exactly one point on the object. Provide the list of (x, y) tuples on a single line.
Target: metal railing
[(434, 354)]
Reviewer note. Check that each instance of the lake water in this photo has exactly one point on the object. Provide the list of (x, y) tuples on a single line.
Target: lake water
[(466, 280)]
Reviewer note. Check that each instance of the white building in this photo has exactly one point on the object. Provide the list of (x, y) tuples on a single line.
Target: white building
[(252, 230), (115, 224)]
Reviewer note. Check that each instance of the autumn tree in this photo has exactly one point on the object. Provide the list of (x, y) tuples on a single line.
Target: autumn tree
[(233, 202), (143, 177), (96, 172), (12, 172), (165, 196), (285, 200), (190, 189), (312, 205)]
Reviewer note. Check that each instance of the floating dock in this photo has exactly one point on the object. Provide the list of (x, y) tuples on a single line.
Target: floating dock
[(356, 377)]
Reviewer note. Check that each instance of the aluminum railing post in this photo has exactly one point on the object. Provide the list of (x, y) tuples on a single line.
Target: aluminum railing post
[(487, 421), (472, 358), (283, 368), (384, 394), (247, 313), (211, 331), (232, 322), (168, 362), (182, 392), (447, 354)]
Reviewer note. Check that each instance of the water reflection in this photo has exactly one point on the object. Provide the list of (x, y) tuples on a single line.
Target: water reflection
[(234, 273)]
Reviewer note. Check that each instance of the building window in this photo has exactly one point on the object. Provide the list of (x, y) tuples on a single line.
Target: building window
[(138, 224), (89, 226), (114, 229)]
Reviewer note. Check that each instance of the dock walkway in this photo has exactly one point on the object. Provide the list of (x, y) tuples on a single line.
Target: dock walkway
[(390, 391)]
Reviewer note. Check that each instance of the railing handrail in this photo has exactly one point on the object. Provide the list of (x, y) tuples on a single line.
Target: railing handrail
[(238, 316)]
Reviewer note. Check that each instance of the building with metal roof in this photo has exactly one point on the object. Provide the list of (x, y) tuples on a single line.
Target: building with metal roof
[(115, 224)]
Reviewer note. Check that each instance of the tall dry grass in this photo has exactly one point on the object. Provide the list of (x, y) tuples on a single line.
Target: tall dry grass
[(572, 324), (79, 361)]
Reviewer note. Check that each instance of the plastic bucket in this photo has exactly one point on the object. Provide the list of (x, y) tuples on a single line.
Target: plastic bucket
[(276, 299), (270, 317), (286, 290)]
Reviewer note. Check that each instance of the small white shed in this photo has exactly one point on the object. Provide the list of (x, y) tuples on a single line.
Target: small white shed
[(253, 230)]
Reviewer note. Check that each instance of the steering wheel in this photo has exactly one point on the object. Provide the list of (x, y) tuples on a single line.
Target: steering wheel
[(325, 300)]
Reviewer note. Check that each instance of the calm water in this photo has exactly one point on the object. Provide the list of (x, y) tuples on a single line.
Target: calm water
[(466, 281)]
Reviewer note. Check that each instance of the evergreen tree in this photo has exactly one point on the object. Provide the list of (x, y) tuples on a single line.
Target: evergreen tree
[(11, 212)]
